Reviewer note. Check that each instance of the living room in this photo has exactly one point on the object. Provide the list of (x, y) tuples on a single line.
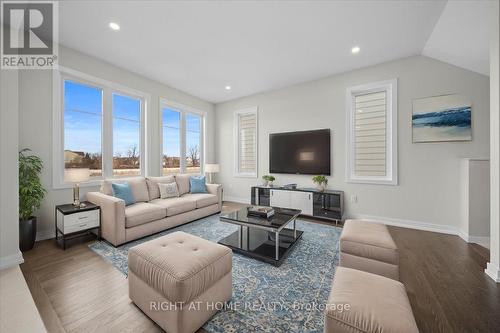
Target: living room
[(376, 145)]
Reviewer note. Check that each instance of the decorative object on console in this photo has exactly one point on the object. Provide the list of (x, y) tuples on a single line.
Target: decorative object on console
[(211, 169), (76, 176), (268, 180), (197, 184), (442, 118), (290, 186), (168, 190), (260, 211), (321, 182), (31, 193)]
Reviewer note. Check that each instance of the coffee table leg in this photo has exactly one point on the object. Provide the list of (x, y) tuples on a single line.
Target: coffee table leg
[(240, 235), (277, 254)]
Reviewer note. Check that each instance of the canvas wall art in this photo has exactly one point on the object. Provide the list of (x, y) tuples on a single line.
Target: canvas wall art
[(442, 118)]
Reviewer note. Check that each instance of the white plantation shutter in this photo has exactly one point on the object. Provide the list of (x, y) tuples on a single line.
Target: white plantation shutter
[(372, 133), (246, 142)]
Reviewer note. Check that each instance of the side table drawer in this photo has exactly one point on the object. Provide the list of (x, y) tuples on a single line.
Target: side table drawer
[(81, 226), (80, 218)]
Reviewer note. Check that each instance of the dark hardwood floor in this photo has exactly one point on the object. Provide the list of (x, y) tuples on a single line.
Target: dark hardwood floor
[(77, 291)]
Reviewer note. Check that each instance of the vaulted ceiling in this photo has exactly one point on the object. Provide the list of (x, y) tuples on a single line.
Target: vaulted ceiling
[(201, 47)]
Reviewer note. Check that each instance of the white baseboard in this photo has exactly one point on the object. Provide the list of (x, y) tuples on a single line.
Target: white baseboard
[(12, 260), (481, 240), (443, 229), (45, 234), (493, 271)]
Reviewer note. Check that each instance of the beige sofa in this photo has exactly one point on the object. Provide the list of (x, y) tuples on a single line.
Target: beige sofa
[(151, 214)]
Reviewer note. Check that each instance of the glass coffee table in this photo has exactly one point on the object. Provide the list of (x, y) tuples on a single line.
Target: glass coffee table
[(260, 238)]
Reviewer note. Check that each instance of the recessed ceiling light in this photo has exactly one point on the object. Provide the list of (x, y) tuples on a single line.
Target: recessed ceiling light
[(228, 87), (114, 26), (355, 50)]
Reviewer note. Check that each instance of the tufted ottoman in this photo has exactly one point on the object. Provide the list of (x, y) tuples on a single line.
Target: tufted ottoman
[(180, 280), (362, 302), (369, 247)]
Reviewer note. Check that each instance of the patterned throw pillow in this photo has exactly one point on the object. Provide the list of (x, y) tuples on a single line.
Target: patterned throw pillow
[(168, 190)]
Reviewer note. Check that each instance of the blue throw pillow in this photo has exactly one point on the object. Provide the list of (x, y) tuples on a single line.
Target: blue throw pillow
[(124, 192), (197, 184)]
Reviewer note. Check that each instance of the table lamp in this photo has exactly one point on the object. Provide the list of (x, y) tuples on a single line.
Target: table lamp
[(211, 169), (76, 176)]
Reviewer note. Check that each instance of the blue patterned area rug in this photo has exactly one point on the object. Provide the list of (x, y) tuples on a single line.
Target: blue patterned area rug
[(289, 298)]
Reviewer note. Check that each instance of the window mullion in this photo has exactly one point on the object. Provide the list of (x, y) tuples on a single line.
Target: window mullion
[(183, 142), (107, 150)]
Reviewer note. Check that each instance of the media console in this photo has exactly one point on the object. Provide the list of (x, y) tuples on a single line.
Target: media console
[(321, 204)]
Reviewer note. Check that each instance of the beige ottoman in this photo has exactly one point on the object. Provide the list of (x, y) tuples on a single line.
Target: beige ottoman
[(366, 302), (369, 247), (180, 280)]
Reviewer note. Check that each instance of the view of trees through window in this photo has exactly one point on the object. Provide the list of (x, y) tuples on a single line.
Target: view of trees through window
[(82, 127), (172, 142), (126, 136)]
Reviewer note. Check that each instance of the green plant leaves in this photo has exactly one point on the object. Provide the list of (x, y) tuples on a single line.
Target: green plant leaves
[(31, 191)]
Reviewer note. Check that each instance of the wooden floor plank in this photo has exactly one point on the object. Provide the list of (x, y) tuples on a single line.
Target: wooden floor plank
[(78, 291)]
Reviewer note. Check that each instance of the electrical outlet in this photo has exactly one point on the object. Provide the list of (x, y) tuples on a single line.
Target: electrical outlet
[(354, 198)]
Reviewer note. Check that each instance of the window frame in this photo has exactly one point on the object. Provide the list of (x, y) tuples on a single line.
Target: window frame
[(108, 88), (236, 139), (390, 88), (183, 111)]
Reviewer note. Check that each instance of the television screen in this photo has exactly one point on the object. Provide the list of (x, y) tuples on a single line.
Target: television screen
[(306, 152)]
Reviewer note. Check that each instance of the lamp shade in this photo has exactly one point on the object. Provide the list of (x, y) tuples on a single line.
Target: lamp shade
[(212, 168), (76, 175)]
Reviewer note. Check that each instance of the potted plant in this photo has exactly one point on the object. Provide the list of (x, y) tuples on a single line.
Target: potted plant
[(268, 180), (321, 182), (31, 193)]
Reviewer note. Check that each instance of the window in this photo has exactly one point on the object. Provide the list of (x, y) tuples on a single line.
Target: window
[(102, 127), (372, 133), (171, 141), (82, 127), (126, 135), (193, 143), (182, 139), (245, 143)]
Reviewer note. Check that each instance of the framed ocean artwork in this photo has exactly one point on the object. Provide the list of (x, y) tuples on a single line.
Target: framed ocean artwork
[(442, 118)]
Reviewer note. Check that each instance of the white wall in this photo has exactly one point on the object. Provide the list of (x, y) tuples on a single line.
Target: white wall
[(35, 121), (9, 198), (429, 174)]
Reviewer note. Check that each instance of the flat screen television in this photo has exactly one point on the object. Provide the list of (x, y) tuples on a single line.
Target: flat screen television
[(305, 152)]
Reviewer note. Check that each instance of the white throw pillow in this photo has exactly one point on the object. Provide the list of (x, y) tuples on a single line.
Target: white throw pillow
[(168, 190)]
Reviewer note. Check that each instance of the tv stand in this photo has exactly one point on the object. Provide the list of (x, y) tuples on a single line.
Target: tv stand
[(326, 204)]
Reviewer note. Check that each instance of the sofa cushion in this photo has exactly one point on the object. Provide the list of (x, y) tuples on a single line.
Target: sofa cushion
[(143, 212), (368, 240), (176, 206), (182, 183), (152, 182), (203, 199), (180, 266), (376, 304), (137, 184)]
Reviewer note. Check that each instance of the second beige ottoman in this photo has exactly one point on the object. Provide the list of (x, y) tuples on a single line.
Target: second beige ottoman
[(180, 280), (369, 247)]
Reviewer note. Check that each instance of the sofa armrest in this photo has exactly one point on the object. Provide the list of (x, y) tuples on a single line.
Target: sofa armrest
[(217, 190), (112, 216)]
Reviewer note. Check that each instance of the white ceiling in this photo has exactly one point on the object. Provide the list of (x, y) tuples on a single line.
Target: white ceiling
[(253, 46), (461, 36)]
